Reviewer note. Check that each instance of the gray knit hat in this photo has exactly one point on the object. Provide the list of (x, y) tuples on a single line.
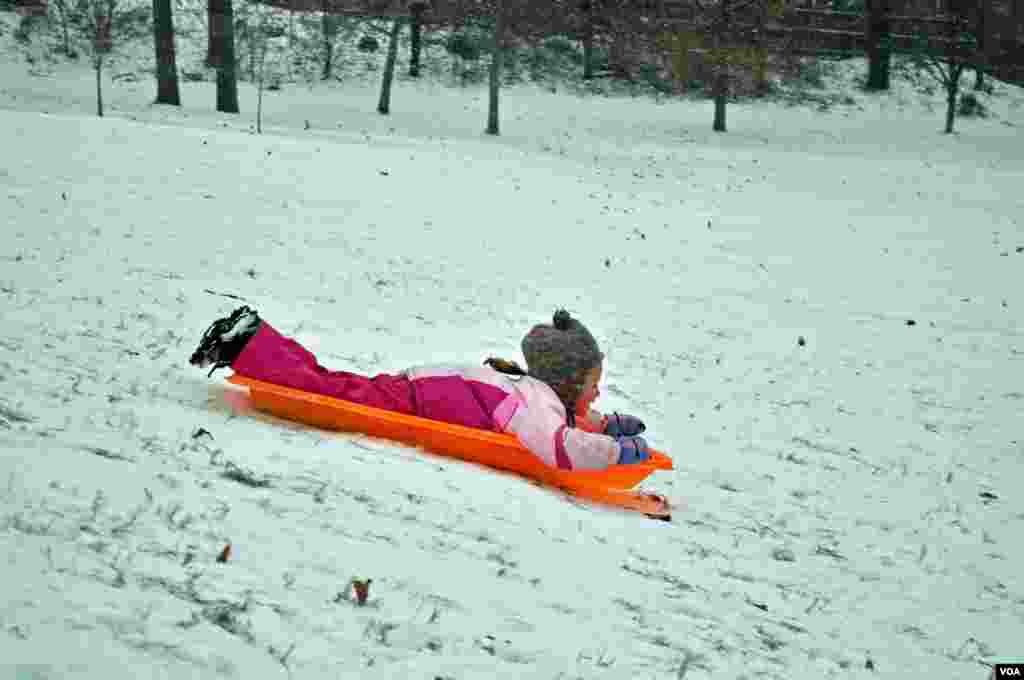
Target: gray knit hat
[(560, 353)]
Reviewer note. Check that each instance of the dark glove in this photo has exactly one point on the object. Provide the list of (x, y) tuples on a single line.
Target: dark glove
[(619, 425), (632, 450)]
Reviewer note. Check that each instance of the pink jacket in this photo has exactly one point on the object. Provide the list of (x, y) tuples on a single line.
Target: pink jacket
[(479, 396)]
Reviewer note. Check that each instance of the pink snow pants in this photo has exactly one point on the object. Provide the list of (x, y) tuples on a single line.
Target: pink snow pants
[(273, 358)]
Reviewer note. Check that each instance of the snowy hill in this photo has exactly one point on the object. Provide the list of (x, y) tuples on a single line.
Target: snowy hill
[(852, 501)]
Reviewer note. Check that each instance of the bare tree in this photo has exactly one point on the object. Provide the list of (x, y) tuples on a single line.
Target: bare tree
[(587, 37), (223, 25), (734, 30), (166, 64), (947, 61), (879, 51), (329, 32), (415, 38), (495, 70), (99, 22), (211, 41), (64, 17), (720, 57), (985, 29), (384, 104), (267, 34)]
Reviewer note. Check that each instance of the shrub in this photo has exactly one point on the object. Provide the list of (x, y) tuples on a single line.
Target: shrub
[(649, 75), (971, 106), (812, 74), (368, 44), (463, 46), (27, 25)]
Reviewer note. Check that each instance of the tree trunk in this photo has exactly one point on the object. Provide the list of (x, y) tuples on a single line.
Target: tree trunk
[(166, 65), (878, 44), (249, 39), (328, 26), (67, 36), (721, 96), (98, 62), (259, 103), (721, 58), (259, 83), (761, 70), (496, 55), (588, 44), (384, 105), (415, 40), (211, 37), (952, 90), (987, 24), (760, 53), (62, 11), (617, 61), (950, 111), (227, 78)]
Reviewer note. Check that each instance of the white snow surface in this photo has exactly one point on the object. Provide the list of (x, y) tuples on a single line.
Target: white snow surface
[(849, 507)]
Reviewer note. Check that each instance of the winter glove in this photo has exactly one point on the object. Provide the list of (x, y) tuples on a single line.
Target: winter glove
[(620, 425), (632, 450)]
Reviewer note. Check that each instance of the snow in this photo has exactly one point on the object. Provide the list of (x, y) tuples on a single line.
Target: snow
[(855, 498)]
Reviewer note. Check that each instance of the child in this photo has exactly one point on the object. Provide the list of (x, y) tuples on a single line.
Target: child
[(547, 406)]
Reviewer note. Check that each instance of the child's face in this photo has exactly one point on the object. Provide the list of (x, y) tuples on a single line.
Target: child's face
[(591, 391)]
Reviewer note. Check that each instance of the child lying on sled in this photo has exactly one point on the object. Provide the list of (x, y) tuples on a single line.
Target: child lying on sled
[(547, 406)]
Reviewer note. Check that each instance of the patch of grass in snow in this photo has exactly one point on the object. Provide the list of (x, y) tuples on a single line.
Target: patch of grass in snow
[(10, 415), (236, 473)]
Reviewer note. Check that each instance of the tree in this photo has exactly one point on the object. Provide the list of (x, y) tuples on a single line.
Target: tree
[(166, 64), (587, 36), (211, 42), (99, 22), (64, 15), (415, 38), (947, 60), (268, 34), (223, 25), (495, 70), (384, 104), (720, 58), (329, 30), (986, 43), (734, 30), (879, 43)]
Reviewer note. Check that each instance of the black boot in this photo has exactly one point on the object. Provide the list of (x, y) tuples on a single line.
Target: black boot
[(224, 340)]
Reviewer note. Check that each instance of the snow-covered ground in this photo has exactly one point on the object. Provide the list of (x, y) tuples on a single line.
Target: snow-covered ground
[(852, 503)]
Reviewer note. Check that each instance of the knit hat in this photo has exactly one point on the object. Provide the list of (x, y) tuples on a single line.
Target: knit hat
[(559, 354)]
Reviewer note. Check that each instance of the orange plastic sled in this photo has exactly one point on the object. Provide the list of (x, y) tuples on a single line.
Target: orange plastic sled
[(493, 449)]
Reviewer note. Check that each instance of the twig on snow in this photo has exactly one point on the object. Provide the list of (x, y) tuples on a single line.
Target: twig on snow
[(227, 295), (282, 657), (130, 521), (822, 550), (110, 455), (98, 501), (691, 659)]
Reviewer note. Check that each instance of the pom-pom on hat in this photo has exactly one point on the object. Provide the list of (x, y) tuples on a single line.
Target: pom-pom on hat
[(559, 354)]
